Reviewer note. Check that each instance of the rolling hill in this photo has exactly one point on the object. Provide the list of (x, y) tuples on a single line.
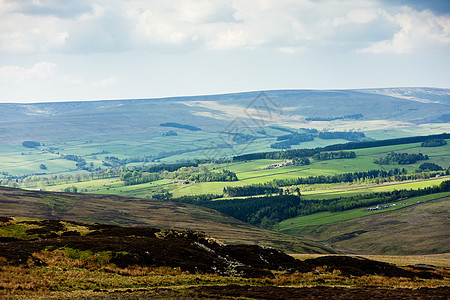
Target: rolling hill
[(127, 211), (225, 125), (418, 229), (62, 120)]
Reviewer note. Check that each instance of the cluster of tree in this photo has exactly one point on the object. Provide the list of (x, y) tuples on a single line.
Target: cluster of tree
[(194, 199), (73, 157), (241, 138), (267, 188), (283, 129), (300, 161), (274, 186), (430, 167), (389, 142), (254, 210), (344, 135), (167, 167), (170, 133), (72, 189), (135, 177), (434, 143), (265, 211), (302, 137), (355, 116), (178, 125), (334, 155), (208, 176), (80, 161), (309, 130), (35, 180), (291, 139), (336, 178), (97, 153), (289, 154), (400, 158), (162, 196), (31, 144), (113, 161)]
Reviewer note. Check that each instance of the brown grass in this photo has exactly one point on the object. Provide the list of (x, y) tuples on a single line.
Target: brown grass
[(67, 280)]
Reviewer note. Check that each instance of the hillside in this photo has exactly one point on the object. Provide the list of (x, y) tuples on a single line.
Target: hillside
[(63, 259), (225, 125), (418, 229), (127, 211)]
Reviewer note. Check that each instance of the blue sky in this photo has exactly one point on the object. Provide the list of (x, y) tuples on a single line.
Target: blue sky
[(58, 50)]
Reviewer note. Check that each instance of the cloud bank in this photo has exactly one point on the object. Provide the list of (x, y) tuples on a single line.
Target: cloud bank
[(91, 49), (187, 25)]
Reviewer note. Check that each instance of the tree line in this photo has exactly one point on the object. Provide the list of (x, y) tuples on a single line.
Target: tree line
[(289, 154), (274, 186), (434, 143), (334, 155), (31, 144), (286, 141), (400, 158), (252, 189), (209, 176), (139, 176), (178, 125), (266, 211), (355, 116), (349, 136), (133, 178)]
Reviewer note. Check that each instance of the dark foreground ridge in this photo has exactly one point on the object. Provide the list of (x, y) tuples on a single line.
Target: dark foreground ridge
[(276, 293), (188, 250)]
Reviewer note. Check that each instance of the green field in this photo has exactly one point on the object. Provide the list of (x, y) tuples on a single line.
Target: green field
[(293, 225), (250, 172), (358, 190), (413, 230)]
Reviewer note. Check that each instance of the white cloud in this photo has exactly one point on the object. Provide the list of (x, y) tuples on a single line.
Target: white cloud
[(45, 80), (418, 31), (182, 25), (107, 81), (20, 33), (17, 74)]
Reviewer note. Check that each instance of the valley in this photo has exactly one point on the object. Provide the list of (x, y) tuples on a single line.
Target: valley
[(328, 177)]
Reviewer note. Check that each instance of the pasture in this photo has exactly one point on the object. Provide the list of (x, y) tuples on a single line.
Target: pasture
[(293, 225), (248, 172)]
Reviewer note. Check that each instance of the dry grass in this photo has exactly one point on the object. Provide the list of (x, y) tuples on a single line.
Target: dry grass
[(68, 273), (68, 277)]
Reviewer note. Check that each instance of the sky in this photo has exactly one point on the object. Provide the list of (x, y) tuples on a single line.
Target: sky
[(61, 50)]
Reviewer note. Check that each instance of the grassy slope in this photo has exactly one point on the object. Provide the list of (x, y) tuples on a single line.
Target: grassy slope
[(126, 211), (131, 127), (417, 229), (295, 225)]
